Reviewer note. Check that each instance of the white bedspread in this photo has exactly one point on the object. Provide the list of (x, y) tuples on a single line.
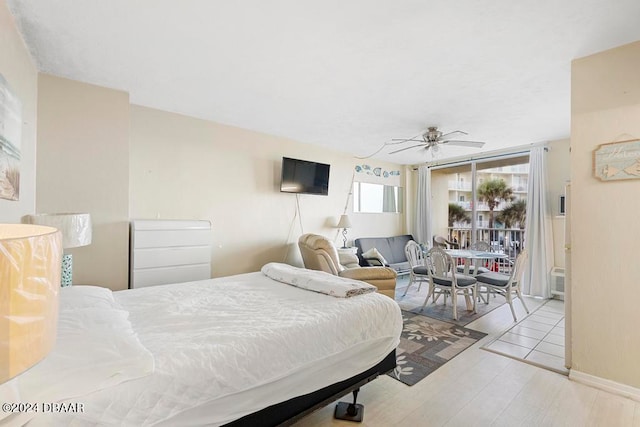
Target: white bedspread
[(227, 347)]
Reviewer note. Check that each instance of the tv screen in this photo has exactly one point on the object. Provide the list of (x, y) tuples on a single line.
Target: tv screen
[(301, 176)]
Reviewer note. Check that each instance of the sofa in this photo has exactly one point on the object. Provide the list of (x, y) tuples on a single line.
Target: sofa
[(319, 253), (391, 249)]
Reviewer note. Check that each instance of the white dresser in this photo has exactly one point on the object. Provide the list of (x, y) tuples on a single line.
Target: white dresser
[(169, 251)]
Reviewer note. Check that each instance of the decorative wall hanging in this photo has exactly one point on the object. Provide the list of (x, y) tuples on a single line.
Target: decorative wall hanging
[(617, 160), (10, 140), (367, 169)]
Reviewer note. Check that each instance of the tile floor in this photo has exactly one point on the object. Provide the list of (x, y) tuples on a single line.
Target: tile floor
[(537, 338)]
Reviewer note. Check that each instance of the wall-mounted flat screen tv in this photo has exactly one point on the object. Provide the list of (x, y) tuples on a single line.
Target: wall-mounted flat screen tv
[(302, 176)]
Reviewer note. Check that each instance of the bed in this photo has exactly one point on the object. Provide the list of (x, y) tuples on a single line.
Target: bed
[(239, 350)]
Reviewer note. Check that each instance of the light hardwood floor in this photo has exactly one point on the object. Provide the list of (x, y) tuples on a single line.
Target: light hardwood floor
[(481, 388)]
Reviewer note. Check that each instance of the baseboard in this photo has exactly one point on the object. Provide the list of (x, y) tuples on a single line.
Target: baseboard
[(606, 385)]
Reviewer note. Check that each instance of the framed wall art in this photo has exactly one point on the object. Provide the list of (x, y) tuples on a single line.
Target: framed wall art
[(10, 140), (617, 160)]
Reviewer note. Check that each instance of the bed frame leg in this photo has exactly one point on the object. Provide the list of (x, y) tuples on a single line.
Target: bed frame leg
[(350, 411)]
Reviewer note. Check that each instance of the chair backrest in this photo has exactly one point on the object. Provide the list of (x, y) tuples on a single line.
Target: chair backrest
[(439, 263), (518, 268), (414, 254), (480, 246), (319, 253), (444, 243)]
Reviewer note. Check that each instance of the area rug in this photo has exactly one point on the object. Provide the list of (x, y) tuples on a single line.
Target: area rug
[(413, 302), (445, 312), (426, 344)]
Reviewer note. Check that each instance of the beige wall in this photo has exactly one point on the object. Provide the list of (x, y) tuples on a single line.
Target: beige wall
[(21, 75), (559, 174), (183, 167), (83, 166), (605, 228)]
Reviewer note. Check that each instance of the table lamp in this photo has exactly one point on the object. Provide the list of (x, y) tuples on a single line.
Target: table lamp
[(30, 281), (344, 223), (76, 232)]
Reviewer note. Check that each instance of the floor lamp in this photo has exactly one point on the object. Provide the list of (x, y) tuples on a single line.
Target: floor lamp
[(30, 258), (76, 232)]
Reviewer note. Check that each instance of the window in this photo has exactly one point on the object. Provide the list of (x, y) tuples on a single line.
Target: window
[(376, 198), (484, 208)]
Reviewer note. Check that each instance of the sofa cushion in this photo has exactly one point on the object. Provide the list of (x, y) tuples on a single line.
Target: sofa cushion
[(397, 244), (400, 267), (391, 248)]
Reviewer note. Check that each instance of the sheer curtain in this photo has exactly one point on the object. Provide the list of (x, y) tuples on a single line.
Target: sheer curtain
[(423, 206), (389, 199), (539, 236)]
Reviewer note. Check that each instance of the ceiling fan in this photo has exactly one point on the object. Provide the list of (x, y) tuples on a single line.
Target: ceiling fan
[(432, 138)]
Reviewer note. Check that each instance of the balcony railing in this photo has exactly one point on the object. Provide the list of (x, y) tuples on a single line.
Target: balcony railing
[(480, 206), (507, 241), (457, 185)]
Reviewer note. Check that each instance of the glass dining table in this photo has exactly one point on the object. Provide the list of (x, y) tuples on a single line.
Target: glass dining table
[(474, 258)]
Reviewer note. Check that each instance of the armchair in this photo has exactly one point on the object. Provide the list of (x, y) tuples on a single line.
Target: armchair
[(319, 253)]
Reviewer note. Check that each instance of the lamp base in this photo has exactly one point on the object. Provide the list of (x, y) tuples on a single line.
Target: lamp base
[(67, 270), (344, 238)]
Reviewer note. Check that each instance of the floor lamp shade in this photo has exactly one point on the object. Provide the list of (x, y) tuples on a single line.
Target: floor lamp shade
[(30, 258), (76, 232)]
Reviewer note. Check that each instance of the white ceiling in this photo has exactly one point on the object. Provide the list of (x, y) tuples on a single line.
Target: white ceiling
[(347, 74)]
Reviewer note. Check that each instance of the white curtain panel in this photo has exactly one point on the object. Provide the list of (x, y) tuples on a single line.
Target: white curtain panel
[(538, 229), (388, 199), (423, 206)]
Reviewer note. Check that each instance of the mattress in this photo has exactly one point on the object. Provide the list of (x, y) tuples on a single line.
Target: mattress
[(227, 347)]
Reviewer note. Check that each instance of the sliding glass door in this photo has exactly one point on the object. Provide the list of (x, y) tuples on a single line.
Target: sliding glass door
[(482, 200)]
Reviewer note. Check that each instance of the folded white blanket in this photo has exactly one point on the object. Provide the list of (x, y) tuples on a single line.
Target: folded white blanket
[(316, 281)]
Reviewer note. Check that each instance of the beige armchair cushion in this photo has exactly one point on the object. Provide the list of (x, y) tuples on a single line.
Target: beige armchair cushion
[(319, 253), (349, 260), (383, 278)]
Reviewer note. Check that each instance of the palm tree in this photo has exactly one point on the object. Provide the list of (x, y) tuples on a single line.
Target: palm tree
[(457, 214), (493, 192), (515, 213)]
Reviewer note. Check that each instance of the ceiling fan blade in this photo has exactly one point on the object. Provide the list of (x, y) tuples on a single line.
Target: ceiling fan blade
[(407, 148), (474, 144), (451, 133), (401, 140)]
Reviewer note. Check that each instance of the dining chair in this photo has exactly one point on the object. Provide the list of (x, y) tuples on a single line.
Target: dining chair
[(442, 242), (418, 267), (507, 285), (443, 279)]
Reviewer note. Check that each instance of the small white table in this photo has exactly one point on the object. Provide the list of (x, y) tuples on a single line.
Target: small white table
[(352, 250)]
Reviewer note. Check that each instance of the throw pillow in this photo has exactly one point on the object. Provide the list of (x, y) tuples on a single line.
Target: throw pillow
[(375, 254)]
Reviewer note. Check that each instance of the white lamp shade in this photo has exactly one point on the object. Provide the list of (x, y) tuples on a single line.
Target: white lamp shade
[(75, 227), (30, 281), (344, 222)]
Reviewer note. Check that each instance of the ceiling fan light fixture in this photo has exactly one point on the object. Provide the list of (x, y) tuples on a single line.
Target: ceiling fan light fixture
[(432, 134), (432, 138)]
